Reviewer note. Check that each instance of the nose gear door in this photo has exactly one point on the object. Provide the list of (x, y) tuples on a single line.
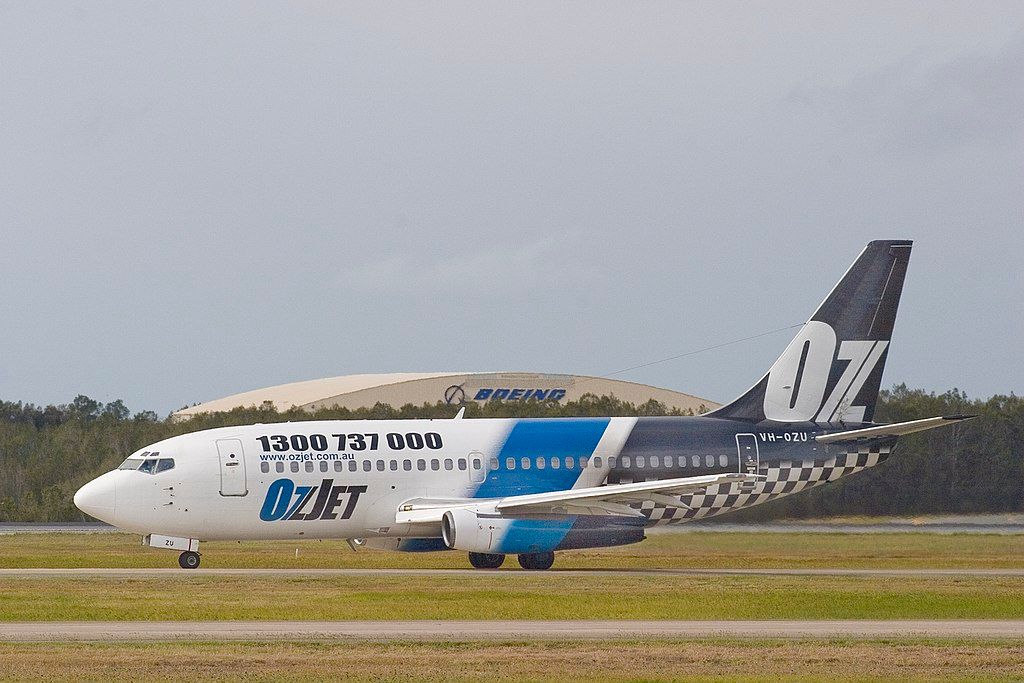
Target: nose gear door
[(232, 467)]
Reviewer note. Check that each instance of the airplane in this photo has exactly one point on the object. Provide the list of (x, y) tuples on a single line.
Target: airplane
[(532, 487)]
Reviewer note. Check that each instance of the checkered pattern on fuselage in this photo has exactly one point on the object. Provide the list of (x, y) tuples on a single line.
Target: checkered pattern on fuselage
[(783, 478)]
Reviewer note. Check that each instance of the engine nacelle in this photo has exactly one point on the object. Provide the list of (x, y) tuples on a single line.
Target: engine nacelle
[(480, 531)]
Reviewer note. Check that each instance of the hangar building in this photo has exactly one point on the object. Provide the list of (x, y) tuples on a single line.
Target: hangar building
[(398, 389)]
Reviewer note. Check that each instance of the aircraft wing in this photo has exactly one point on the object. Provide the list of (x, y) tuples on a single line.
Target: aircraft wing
[(612, 499), (897, 429), (662, 491)]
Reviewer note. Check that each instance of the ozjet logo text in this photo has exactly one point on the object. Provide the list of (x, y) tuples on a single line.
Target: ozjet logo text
[(286, 501)]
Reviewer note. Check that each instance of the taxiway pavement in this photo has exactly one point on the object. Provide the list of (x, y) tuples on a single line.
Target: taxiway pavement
[(448, 631)]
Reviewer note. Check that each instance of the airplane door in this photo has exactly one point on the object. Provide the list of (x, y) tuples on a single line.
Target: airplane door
[(746, 445), (232, 468), (477, 464)]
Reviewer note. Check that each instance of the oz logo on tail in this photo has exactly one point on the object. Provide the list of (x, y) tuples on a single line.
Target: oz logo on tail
[(798, 380)]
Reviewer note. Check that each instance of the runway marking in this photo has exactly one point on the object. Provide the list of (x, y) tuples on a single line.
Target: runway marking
[(174, 573), (449, 631)]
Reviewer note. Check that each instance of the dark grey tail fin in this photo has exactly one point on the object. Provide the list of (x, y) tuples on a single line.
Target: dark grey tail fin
[(832, 370)]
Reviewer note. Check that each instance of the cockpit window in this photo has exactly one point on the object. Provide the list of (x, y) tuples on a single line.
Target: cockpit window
[(147, 462)]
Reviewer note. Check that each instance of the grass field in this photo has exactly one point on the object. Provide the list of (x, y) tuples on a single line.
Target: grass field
[(660, 550), (509, 596), (514, 594), (706, 659)]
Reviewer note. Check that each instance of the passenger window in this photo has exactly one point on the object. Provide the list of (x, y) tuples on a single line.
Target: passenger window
[(510, 463), (667, 461), (352, 465), (611, 463), (264, 467), (279, 466), (147, 466), (394, 465), (626, 462), (337, 466), (309, 467), (164, 464), (462, 464), (709, 461), (583, 462), (654, 461), (695, 461), (640, 461), (555, 463), (448, 464), (380, 465), (477, 463), (722, 460), (323, 466), (541, 463), (569, 462), (682, 461), (525, 462), (367, 466), (435, 464), (294, 467), (421, 465), (494, 464), (407, 465), (597, 462)]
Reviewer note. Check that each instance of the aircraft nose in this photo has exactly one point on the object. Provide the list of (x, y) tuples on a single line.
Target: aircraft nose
[(98, 497)]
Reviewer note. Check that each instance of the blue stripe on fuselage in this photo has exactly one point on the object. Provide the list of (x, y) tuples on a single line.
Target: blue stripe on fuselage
[(561, 438), (549, 438)]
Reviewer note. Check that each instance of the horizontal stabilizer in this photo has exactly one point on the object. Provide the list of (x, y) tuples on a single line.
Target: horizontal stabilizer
[(897, 429)]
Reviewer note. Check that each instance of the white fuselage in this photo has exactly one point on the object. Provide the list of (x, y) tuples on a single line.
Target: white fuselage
[(378, 464)]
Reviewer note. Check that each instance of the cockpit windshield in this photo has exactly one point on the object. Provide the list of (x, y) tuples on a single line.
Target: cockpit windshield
[(149, 465)]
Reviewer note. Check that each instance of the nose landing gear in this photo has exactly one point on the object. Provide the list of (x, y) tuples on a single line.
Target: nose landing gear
[(188, 560)]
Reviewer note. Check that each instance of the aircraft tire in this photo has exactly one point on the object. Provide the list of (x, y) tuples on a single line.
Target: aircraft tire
[(486, 560), (536, 561), (188, 560)]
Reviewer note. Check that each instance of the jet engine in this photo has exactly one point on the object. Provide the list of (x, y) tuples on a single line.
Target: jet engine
[(486, 531)]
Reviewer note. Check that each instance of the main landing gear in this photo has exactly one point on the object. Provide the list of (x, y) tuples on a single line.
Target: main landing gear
[(536, 561), (486, 560), (188, 560), (530, 561)]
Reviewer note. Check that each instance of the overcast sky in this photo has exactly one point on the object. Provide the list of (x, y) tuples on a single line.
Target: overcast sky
[(198, 199)]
